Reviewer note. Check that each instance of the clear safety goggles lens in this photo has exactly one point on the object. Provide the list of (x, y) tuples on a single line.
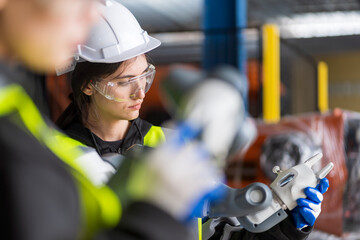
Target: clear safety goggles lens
[(125, 89)]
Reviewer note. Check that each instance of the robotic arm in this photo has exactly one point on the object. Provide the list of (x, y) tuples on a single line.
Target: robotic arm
[(213, 103)]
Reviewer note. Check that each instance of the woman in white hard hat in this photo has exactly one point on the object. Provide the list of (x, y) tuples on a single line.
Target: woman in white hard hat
[(109, 83), (110, 78)]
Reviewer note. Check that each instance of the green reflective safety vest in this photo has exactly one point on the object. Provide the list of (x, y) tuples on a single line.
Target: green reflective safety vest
[(154, 137), (101, 207)]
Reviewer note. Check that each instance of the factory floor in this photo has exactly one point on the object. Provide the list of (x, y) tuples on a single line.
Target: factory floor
[(318, 235)]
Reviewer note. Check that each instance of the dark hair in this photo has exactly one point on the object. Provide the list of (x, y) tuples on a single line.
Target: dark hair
[(78, 110)]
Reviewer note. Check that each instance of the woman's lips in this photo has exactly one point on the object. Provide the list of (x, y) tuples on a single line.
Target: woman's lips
[(136, 106)]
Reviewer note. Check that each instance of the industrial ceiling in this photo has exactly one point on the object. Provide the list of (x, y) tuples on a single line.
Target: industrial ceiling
[(260, 11), (186, 15), (316, 26)]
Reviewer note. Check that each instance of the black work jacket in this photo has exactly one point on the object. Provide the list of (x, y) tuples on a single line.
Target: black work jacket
[(138, 130)]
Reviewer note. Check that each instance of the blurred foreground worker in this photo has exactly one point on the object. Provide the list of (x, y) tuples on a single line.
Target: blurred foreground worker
[(44, 193)]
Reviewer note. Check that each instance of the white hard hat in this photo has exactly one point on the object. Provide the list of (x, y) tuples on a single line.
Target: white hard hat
[(116, 37)]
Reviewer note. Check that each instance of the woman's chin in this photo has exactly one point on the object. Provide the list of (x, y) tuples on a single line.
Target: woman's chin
[(133, 115)]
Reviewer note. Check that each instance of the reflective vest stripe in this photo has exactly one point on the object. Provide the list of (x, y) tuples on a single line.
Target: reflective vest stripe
[(101, 207), (200, 228), (154, 137)]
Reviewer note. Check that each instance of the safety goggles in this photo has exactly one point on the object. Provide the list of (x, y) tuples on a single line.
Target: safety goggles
[(125, 89)]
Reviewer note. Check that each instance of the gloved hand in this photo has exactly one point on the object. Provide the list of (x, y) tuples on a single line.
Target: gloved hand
[(178, 177), (309, 208)]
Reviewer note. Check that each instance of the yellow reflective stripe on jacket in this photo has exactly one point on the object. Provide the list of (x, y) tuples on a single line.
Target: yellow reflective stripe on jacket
[(199, 222), (71, 142), (101, 207), (154, 137)]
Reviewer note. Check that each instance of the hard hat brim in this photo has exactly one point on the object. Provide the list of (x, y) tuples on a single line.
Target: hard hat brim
[(137, 51), (126, 55)]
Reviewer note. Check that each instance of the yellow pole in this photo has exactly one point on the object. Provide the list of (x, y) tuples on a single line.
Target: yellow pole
[(271, 73), (323, 102)]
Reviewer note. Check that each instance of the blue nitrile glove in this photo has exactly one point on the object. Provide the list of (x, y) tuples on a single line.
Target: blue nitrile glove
[(309, 208)]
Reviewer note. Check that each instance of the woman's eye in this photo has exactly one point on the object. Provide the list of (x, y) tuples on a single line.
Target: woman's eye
[(122, 83)]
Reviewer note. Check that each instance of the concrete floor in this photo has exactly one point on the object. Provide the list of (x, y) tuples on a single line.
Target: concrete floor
[(318, 235)]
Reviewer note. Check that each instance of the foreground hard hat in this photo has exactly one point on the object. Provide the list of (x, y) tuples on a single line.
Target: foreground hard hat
[(116, 37)]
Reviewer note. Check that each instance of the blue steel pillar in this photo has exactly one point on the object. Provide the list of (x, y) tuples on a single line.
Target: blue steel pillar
[(224, 22)]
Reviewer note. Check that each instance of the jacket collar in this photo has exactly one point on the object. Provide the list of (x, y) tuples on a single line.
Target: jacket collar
[(135, 135)]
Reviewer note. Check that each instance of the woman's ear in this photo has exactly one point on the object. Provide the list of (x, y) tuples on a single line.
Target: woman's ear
[(88, 90)]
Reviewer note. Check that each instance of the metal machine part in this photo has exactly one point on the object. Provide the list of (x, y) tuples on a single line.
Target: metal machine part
[(254, 206), (289, 184), (259, 208), (241, 202)]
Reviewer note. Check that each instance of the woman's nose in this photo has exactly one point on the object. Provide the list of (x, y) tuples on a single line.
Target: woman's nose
[(139, 93)]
